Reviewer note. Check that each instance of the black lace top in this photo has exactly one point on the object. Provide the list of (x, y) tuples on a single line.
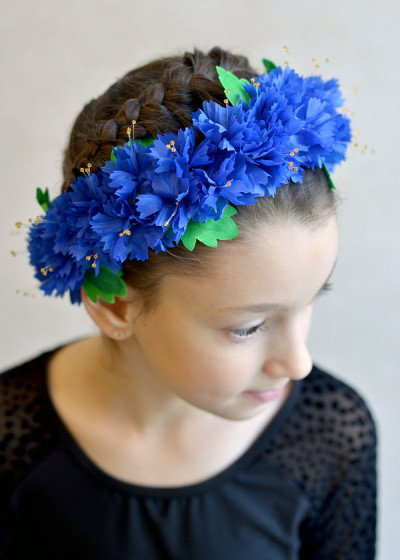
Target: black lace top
[(305, 489)]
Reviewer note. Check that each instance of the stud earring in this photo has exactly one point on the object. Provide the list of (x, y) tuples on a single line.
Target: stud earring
[(118, 334)]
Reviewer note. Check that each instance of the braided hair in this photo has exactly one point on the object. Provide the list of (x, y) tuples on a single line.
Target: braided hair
[(160, 97)]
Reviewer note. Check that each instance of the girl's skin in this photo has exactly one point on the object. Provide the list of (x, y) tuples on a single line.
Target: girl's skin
[(157, 398)]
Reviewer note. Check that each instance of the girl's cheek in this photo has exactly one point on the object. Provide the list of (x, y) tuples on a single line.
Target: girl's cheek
[(307, 317)]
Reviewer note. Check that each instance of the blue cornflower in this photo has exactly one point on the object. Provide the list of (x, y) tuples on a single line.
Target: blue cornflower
[(63, 245), (315, 128), (172, 198), (146, 197)]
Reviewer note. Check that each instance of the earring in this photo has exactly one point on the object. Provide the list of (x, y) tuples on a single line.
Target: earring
[(118, 334)]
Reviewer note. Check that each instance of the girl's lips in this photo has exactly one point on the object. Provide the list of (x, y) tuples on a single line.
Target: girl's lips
[(264, 396)]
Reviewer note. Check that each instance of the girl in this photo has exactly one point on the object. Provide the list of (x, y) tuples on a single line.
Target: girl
[(197, 224)]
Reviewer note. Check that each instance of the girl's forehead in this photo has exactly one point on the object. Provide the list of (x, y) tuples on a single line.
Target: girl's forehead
[(284, 265)]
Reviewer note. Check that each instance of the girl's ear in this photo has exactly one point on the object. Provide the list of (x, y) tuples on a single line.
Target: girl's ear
[(115, 320)]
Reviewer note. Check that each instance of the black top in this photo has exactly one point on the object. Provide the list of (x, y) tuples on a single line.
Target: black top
[(305, 489)]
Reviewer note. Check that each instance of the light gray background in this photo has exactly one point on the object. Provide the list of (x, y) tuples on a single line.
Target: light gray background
[(57, 55)]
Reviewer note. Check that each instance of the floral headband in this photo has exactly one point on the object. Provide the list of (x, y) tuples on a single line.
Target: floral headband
[(156, 192)]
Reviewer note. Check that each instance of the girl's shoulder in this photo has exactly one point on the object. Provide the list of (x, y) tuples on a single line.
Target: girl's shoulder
[(25, 428), (20, 390), (335, 403), (325, 408), (329, 448), (330, 435), (22, 387)]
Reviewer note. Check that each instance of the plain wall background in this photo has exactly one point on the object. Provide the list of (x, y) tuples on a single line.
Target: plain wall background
[(55, 56)]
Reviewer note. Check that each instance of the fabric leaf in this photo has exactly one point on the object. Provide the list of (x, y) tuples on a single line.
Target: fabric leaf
[(106, 284), (43, 198), (269, 65), (233, 86), (328, 176), (210, 231), (145, 141), (113, 157)]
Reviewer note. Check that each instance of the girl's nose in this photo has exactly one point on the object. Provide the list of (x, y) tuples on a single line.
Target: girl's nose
[(288, 355)]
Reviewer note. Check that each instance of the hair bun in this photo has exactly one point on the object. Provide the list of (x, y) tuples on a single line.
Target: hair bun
[(129, 112), (154, 93), (108, 130)]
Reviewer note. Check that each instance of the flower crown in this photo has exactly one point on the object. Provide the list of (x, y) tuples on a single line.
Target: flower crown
[(156, 192)]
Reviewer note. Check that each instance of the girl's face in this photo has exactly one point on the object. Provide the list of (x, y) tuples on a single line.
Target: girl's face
[(242, 328)]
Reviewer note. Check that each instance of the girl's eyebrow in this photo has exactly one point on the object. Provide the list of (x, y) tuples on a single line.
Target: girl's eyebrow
[(257, 308), (265, 307)]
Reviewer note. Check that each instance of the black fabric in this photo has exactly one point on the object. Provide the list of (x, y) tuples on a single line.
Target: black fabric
[(305, 489)]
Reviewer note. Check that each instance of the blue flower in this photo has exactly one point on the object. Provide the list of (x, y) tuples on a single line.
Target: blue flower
[(124, 238), (63, 246), (175, 189), (146, 196), (248, 151), (312, 122), (127, 172)]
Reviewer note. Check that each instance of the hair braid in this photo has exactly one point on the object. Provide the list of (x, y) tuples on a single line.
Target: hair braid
[(160, 97)]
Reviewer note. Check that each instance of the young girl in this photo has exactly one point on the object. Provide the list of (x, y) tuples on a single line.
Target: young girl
[(197, 225)]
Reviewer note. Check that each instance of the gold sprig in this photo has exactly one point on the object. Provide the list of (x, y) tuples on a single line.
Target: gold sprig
[(95, 256), (171, 146), (26, 294), (46, 270), (15, 253), (172, 215), (287, 53), (35, 221), (357, 144), (291, 163), (86, 170)]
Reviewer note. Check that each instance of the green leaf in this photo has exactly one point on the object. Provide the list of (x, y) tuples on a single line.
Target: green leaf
[(113, 157), (328, 176), (233, 86), (106, 285), (147, 141), (269, 65), (43, 198), (210, 231)]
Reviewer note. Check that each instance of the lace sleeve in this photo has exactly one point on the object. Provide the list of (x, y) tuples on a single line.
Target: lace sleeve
[(344, 527), (25, 436)]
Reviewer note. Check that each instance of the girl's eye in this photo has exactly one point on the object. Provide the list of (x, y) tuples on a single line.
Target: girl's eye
[(242, 334), (327, 287)]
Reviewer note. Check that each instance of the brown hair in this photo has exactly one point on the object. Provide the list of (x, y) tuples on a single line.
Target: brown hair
[(161, 97)]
